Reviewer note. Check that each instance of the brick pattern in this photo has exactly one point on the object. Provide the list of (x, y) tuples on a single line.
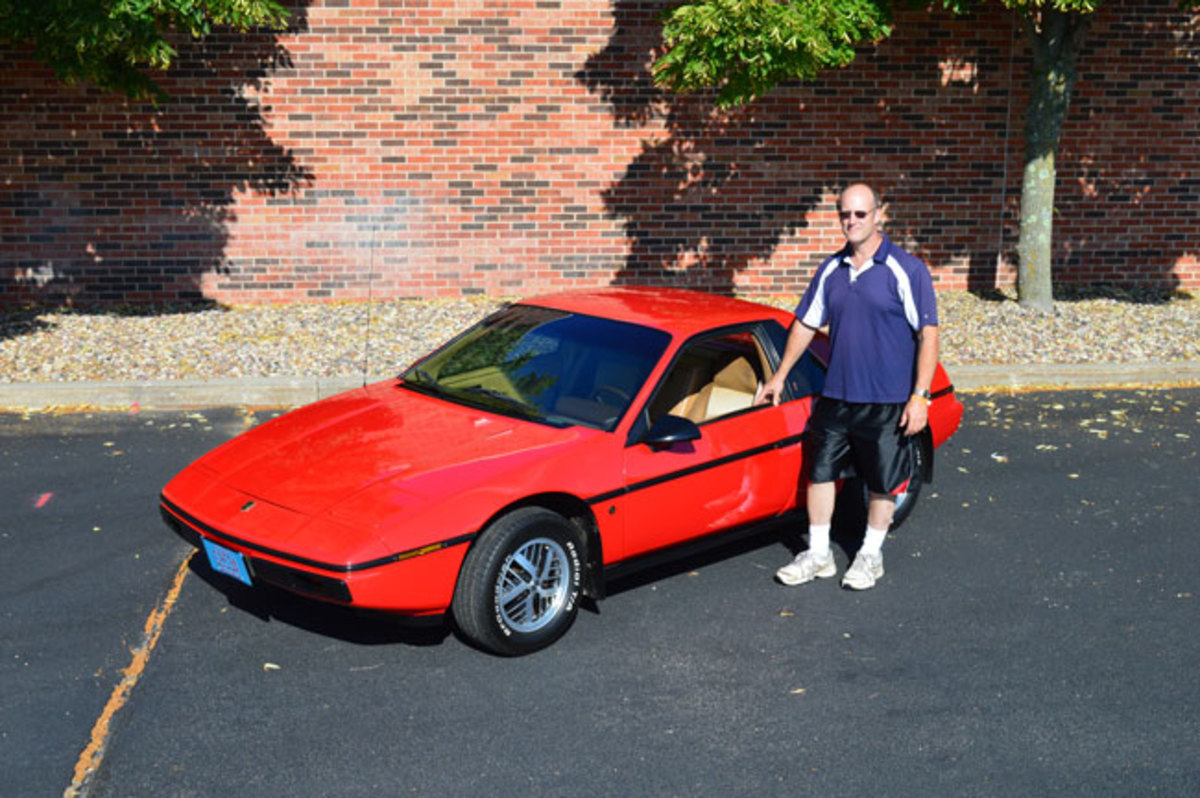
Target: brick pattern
[(508, 147)]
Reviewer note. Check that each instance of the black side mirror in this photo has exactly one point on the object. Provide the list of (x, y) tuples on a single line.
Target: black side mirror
[(670, 430)]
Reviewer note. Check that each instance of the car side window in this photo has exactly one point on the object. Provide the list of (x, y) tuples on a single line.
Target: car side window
[(807, 377), (713, 377)]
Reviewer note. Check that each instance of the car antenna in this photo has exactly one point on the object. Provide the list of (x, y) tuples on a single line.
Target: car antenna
[(370, 300)]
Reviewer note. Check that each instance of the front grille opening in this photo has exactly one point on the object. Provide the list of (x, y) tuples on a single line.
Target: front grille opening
[(322, 587)]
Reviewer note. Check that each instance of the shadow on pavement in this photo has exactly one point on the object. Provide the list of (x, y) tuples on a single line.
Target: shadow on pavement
[(361, 627)]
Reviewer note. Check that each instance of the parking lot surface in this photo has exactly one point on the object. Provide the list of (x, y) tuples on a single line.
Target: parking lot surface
[(1035, 634)]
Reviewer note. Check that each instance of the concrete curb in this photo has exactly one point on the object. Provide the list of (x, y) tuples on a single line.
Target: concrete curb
[(296, 391), (173, 394), (1064, 376)]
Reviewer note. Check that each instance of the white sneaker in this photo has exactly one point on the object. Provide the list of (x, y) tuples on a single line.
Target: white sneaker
[(864, 571), (806, 567)]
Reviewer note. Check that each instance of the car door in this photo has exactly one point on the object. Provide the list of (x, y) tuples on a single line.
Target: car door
[(744, 466)]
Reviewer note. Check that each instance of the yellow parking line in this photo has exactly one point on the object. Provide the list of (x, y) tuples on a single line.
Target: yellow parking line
[(89, 761)]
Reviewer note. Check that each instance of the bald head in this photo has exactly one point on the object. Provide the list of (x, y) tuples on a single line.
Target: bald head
[(860, 216), (864, 194)]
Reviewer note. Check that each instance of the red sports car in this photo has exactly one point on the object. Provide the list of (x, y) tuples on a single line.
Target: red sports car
[(555, 442)]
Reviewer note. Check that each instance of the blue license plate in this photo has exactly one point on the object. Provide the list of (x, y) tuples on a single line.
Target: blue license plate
[(226, 561)]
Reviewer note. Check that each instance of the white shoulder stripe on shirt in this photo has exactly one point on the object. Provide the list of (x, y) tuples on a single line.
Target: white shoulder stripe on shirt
[(815, 315), (904, 288)]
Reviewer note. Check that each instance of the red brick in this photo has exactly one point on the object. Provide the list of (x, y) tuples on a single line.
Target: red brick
[(529, 141)]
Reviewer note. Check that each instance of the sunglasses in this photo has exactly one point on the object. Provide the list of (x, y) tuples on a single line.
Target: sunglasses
[(844, 215)]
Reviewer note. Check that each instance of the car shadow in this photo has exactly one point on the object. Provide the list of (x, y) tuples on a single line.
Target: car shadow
[(360, 627), (849, 521), (702, 554), (376, 628)]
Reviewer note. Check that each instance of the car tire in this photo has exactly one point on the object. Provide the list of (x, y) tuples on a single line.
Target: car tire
[(906, 501), (518, 590)]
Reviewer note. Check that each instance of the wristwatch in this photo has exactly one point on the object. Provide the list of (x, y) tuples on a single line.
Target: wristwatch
[(924, 394)]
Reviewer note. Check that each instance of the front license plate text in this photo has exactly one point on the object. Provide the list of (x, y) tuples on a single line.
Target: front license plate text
[(227, 561)]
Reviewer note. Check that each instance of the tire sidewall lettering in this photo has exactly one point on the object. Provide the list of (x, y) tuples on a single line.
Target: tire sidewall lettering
[(481, 605), (496, 613), (576, 577)]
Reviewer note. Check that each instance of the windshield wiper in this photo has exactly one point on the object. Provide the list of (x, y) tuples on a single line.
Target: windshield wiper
[(424, 379), (508, 402)]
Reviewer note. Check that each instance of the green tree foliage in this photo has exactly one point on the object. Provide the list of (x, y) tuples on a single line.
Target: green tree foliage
[(115, 43), (746, 47), (743, 48)]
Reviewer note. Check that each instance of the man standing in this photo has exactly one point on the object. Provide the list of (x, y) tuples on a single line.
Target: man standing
[(879, 305)]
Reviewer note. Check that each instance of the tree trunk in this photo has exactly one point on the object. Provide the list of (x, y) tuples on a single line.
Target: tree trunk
[(1056, 38)]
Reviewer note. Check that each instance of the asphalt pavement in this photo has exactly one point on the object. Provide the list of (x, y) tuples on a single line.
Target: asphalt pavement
[(1035, 634)]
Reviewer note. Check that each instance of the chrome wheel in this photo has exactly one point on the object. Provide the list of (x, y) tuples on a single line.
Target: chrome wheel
[(518, 590), (533, 584)]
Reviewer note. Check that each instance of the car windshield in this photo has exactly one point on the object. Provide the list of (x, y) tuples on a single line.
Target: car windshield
[(545, 365)]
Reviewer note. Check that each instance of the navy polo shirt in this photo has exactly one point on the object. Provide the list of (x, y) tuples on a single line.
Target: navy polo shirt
[(873, 318)]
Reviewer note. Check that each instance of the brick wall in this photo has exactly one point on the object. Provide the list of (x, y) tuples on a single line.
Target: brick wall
[(508, 147)]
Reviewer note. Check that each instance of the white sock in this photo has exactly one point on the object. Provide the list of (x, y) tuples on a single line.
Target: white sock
[(818, 540), (873, 540)]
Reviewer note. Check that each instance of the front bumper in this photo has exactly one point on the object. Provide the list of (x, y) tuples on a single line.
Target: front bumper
[(414, 582), (305, 583)]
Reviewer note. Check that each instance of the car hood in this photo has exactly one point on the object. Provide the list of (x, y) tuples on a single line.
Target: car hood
[(314, 458)]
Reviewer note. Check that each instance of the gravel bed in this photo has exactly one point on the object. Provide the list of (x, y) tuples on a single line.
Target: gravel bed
[(349, 339)]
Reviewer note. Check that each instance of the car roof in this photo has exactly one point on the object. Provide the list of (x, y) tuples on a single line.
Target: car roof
[(678, 311)]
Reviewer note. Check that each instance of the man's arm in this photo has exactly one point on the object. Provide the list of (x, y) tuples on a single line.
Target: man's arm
[(799, 337), (916, 412)]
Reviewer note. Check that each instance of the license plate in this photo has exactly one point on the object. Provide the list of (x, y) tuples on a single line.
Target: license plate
[(226, 561)]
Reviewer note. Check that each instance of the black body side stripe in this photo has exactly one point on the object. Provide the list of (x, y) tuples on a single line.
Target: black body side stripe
[(324, 566), (470, 536), (949, 389), (696, 469)]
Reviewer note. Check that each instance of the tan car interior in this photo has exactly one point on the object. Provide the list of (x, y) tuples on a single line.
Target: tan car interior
[(712, 378)]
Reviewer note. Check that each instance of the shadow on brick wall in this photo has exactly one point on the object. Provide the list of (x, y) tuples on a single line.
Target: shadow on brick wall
[(943, 140), (691, 201), (126, 202)]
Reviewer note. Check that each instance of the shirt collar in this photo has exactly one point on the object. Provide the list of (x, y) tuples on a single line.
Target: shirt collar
[(880, 256)]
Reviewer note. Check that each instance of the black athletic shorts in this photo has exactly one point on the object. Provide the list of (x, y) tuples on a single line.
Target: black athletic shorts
[(845, 439)]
